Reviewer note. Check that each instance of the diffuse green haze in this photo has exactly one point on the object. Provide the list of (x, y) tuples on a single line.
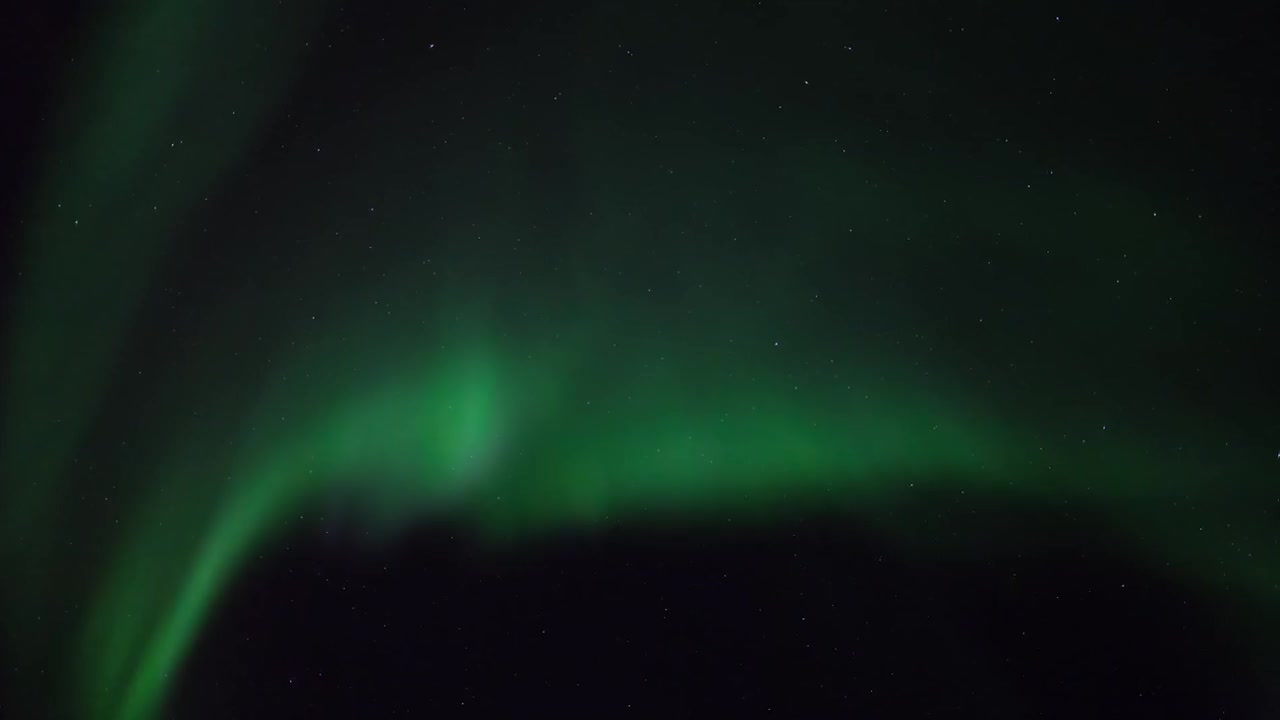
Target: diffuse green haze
[(659, 366)]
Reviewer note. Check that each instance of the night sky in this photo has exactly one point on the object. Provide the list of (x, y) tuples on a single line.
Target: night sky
[(639, 359)]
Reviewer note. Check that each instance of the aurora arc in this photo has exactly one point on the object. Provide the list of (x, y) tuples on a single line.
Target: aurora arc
[(512, 401)]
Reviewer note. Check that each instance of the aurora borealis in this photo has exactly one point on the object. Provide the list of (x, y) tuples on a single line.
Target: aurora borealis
[(540, 274)]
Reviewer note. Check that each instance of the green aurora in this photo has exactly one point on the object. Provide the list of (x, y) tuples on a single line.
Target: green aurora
[(410, 336)]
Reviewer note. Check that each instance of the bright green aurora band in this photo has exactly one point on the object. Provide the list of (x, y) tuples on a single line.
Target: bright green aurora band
[(415, 335)]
